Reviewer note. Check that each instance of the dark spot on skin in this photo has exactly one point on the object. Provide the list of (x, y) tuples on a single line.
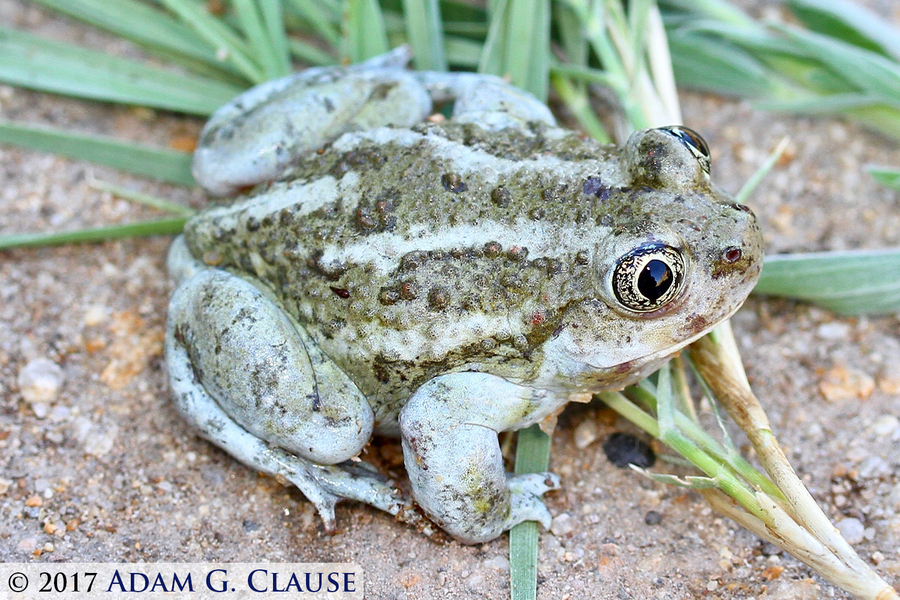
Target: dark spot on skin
[(328, 104), (331, 271), (333, 327), (740, 207), (582, 258), (592, 185), (388, 296), (341, 292), (252, 224), (536, 214), (453, 183), (382, 90), (500, 196), (554, 194), (413, 260), (409, 290), (517, 253), (623, 449), (438, 298), (365, 219), (493, 249), (377, 215)]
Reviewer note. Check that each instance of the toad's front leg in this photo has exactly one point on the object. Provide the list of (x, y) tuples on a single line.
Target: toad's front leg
[(449, 429)]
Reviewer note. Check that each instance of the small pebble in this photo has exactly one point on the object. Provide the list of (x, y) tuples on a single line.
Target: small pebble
[(885, 425), (833, 331), (39, 382), (653, 517), (585, 434), (852, 529), (562, 525)]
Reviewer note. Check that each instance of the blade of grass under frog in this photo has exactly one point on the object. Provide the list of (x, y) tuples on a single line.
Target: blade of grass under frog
[(886, 176), (853, 282), (364, 32), (850, 22), (158, 163), (532, 456), (145, 25), (426, 37), (228, 44), (168, 226), (321, 18), (33, 62)]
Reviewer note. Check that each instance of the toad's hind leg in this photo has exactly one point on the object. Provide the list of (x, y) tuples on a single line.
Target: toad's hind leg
[(250, 380), (266, 129), (485, 100), (449, 431)]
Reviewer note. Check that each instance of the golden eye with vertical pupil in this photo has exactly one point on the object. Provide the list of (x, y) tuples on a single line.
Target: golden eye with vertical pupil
[(693, 141), (648, 277)]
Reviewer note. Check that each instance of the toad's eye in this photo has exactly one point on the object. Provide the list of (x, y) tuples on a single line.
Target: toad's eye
[(648, 277), (692, 140)]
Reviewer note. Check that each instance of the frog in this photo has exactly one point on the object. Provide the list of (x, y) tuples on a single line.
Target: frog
[(386, 269)]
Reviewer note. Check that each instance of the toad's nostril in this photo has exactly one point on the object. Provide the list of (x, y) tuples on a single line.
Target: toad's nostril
[(731, 254)]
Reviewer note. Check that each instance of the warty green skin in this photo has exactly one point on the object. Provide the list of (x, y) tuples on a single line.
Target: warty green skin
[(446, 248), (445, 281)]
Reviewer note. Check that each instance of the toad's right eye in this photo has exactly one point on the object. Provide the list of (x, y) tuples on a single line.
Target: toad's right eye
[(648, 277)]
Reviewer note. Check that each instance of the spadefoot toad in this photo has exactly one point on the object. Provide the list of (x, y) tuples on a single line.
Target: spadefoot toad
[(440, 280)]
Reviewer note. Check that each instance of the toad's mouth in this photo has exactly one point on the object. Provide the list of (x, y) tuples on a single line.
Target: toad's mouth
[(642, 366)]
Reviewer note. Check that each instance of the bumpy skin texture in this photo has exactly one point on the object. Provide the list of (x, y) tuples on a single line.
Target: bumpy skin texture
[(444, 281)]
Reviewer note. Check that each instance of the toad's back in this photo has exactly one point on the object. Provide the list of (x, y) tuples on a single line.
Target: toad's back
[(408, 253)]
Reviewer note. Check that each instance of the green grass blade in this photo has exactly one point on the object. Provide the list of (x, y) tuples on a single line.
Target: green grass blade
[(158, 163), (320, 17), (504, 55), (850, 22), (761, 172), (836, 104), (273, 18), (423, 29), (33, 62), (866, 70), (532, 456), (707, 63), (227, 43), (462, 52), (168, 226), (145, 25), (886, 176), (258, 33), (364, 32), (853, 282), (143, 199)]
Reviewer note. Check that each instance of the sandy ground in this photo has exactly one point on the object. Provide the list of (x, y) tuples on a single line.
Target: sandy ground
[(105, 470)]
